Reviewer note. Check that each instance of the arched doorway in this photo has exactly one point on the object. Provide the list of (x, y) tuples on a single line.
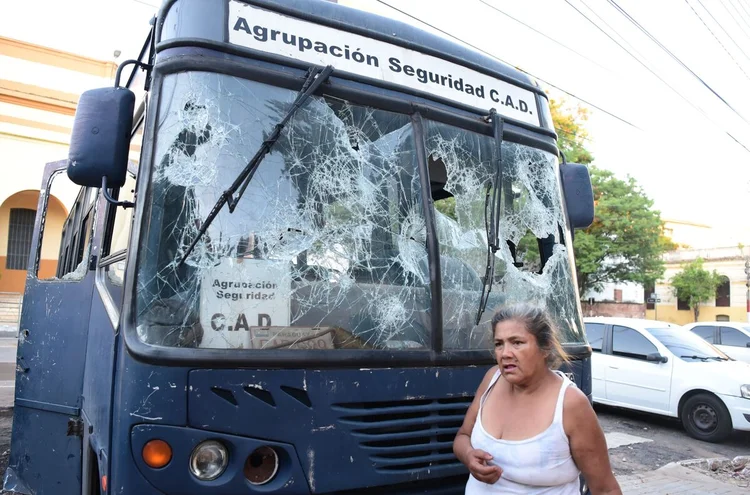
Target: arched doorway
[(17, 216), (723, 293)]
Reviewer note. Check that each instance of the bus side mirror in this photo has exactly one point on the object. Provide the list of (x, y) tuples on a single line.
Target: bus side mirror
[(578, 194), (101, 137)]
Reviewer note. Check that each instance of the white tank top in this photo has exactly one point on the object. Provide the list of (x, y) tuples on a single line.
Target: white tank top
[(540, 465)]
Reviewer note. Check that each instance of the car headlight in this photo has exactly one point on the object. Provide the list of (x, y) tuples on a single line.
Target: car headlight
[(745, 391), (209, 460)]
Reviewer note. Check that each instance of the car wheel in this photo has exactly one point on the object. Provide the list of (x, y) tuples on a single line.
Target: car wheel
[(706, 418)]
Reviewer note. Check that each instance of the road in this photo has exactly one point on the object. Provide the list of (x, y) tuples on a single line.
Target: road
[(659, 441), (7, 370)]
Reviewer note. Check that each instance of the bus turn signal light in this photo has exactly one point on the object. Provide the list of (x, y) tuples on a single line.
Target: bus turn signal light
[(157, 453)]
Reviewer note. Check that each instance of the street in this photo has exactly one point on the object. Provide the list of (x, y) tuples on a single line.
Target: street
[(658, 441)]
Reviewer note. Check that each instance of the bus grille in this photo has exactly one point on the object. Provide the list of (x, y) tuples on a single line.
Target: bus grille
[(406, 436)]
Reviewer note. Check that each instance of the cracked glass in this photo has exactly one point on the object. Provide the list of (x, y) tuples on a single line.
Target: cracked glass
[(531, 264), (327, 247)]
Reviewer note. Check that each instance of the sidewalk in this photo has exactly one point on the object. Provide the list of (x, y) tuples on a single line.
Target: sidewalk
[(674, 479), (8, 330)]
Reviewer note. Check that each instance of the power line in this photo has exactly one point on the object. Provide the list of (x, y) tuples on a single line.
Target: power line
[(742, 6), (647, 67), (506, 63), (725, 31), (610, 27), (674, 57), (541, 33), (573, 136), (717, 39), (738, 12), (731, 16)]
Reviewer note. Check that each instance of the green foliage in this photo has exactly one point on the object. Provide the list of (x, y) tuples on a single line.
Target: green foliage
[(571, 135), (625, 243), (695, 285)]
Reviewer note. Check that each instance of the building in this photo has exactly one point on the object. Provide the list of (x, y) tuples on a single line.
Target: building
[(39, 89), (622, 300), (730, 302), (693, 241)]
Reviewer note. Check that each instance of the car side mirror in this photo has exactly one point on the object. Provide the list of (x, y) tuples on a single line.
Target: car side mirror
[(747, 345), (655, 357), (578, 194)]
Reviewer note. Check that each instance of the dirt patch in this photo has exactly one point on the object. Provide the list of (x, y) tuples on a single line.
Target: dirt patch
[(735, 471)]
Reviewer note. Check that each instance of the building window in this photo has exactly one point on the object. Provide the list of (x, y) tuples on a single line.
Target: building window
[(722, 293), (20, 234), (618, 295), (682, 304)]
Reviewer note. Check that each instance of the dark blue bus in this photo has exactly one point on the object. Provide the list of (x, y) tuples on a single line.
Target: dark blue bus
[(295, 221)]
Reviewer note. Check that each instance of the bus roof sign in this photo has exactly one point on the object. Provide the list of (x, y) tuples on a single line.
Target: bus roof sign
[(274, 33)]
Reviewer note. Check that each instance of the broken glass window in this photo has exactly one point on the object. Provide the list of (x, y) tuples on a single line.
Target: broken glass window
[(327, 247), (461, 174), (325, 250)]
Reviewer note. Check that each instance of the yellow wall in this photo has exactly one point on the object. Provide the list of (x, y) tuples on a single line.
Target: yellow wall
[(673, 315), (15, 280)]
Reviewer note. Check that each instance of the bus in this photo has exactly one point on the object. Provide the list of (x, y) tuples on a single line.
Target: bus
[(294, 223)]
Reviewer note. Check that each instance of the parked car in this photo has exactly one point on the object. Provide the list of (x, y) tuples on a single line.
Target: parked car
[(660, 368), (733, 338)]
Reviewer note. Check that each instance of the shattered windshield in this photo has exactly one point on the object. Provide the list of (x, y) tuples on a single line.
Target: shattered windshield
[(532, 264), (327, 247)]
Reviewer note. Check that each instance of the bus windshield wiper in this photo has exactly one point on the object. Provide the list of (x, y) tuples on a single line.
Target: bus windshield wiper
[(315, 78), (491, 223)]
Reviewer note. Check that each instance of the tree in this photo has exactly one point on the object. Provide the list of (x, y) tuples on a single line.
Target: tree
[(625, 243), (695, 285), (571, 134)]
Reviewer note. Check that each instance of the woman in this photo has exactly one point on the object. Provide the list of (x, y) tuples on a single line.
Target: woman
[(528, 431)]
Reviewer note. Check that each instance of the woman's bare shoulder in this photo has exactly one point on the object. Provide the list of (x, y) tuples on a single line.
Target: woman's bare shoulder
[(488, 378), (576, 408)]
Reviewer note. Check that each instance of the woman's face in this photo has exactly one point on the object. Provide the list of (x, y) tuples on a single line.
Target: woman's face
[(517, 352)]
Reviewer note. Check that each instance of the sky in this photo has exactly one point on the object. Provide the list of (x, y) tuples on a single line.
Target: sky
[(679, 113)]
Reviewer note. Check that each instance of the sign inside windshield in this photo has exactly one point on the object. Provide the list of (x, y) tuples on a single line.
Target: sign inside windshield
[(274, 33), (241, 296)]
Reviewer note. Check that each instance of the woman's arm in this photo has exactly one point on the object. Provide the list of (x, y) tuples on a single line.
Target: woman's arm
[(587, 444), (474, 459)]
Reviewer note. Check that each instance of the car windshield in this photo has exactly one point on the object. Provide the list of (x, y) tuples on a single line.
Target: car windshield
[(327, 249), (686, 345)]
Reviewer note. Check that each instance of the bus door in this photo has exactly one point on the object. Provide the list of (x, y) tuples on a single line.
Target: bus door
[(46, 443)]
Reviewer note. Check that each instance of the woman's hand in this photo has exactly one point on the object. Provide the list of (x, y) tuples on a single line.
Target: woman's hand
[(477, 462)]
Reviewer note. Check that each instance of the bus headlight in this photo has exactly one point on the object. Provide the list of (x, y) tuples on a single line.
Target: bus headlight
[(745, 391), (208, 460)]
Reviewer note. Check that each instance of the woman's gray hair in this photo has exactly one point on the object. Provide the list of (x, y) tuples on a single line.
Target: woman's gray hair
[(538, 323)]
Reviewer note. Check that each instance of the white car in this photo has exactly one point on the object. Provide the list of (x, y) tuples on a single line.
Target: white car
[(658, 367), (733, 338)]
